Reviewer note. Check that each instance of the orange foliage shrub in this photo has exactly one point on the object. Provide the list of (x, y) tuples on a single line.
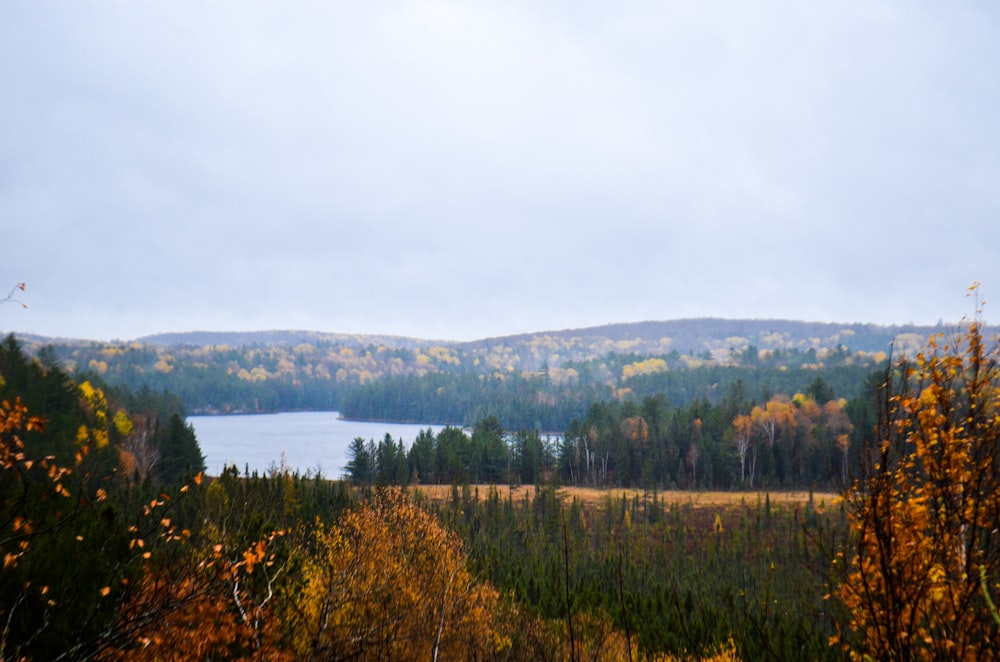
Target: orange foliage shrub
[(926, 511)]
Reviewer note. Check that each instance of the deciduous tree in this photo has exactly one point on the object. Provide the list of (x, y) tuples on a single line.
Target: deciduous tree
[(926, 509), (743, 428), (389, 582), (772, 417)]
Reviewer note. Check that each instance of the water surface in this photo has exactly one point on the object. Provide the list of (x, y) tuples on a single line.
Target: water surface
[(304, 441)]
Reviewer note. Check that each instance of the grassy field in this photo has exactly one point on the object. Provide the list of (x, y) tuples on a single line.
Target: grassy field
[(592, 496)]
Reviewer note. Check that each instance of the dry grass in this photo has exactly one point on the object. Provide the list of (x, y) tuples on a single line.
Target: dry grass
[(592, 496)]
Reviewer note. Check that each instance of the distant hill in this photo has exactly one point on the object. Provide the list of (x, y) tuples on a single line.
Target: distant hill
[(308, 370), (714, 334), (275, 338), (686, 336)]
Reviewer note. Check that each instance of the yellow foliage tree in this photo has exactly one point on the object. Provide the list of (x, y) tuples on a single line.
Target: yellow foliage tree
[(389, 582), (777, 414), (647, 367), (926, 509)]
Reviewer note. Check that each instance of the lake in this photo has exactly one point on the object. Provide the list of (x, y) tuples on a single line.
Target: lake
[(308, 441)]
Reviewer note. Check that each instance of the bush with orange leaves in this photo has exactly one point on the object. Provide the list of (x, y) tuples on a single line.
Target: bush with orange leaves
[(16, 529), (217, 606), (926, 511)]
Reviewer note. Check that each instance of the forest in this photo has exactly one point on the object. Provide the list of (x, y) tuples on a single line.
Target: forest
[(116, 545), (541, 382), (800, 442)]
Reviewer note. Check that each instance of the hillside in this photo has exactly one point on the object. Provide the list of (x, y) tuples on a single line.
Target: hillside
[(541, 379), (275, 337), (697, 336), (686, 336)]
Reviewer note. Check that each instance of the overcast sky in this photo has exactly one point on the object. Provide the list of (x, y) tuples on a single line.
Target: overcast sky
[(459, 170)]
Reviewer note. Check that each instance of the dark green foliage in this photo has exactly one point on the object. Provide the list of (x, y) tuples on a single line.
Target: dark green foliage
[(530, 401), (62, 595), (517, 401), (255, 504), (81, 553), (494, 456), (51, 595), (530, 459), (453, 456), (665, 574), (180, 456), (490, 455), (361, 462), (382, 463), (45, 391), (651, 444), (421, 458), (390, 462)]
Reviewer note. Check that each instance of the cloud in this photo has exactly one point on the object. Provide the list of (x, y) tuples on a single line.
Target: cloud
[(459, 170)]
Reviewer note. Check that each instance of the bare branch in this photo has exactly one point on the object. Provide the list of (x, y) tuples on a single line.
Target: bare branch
[(12, 295)]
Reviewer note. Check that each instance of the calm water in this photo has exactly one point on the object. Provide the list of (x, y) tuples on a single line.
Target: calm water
[(309, 441)]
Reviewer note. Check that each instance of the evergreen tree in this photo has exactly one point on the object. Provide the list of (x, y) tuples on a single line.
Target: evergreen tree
[(421, 458), (180, 456), (360, 465), (488, 440)]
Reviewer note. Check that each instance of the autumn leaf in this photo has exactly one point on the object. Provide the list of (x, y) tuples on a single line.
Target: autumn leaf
[(925, 509)]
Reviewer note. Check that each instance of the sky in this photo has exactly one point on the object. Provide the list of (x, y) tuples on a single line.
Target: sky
[(462, 170)]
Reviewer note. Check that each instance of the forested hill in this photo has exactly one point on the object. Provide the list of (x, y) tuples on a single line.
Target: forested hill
[(712, 335), (686, 336), (543, 378), (275, 337)]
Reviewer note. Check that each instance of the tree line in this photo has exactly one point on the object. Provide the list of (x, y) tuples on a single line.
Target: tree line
[(541, 382), (803, 440), (536, 401)]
